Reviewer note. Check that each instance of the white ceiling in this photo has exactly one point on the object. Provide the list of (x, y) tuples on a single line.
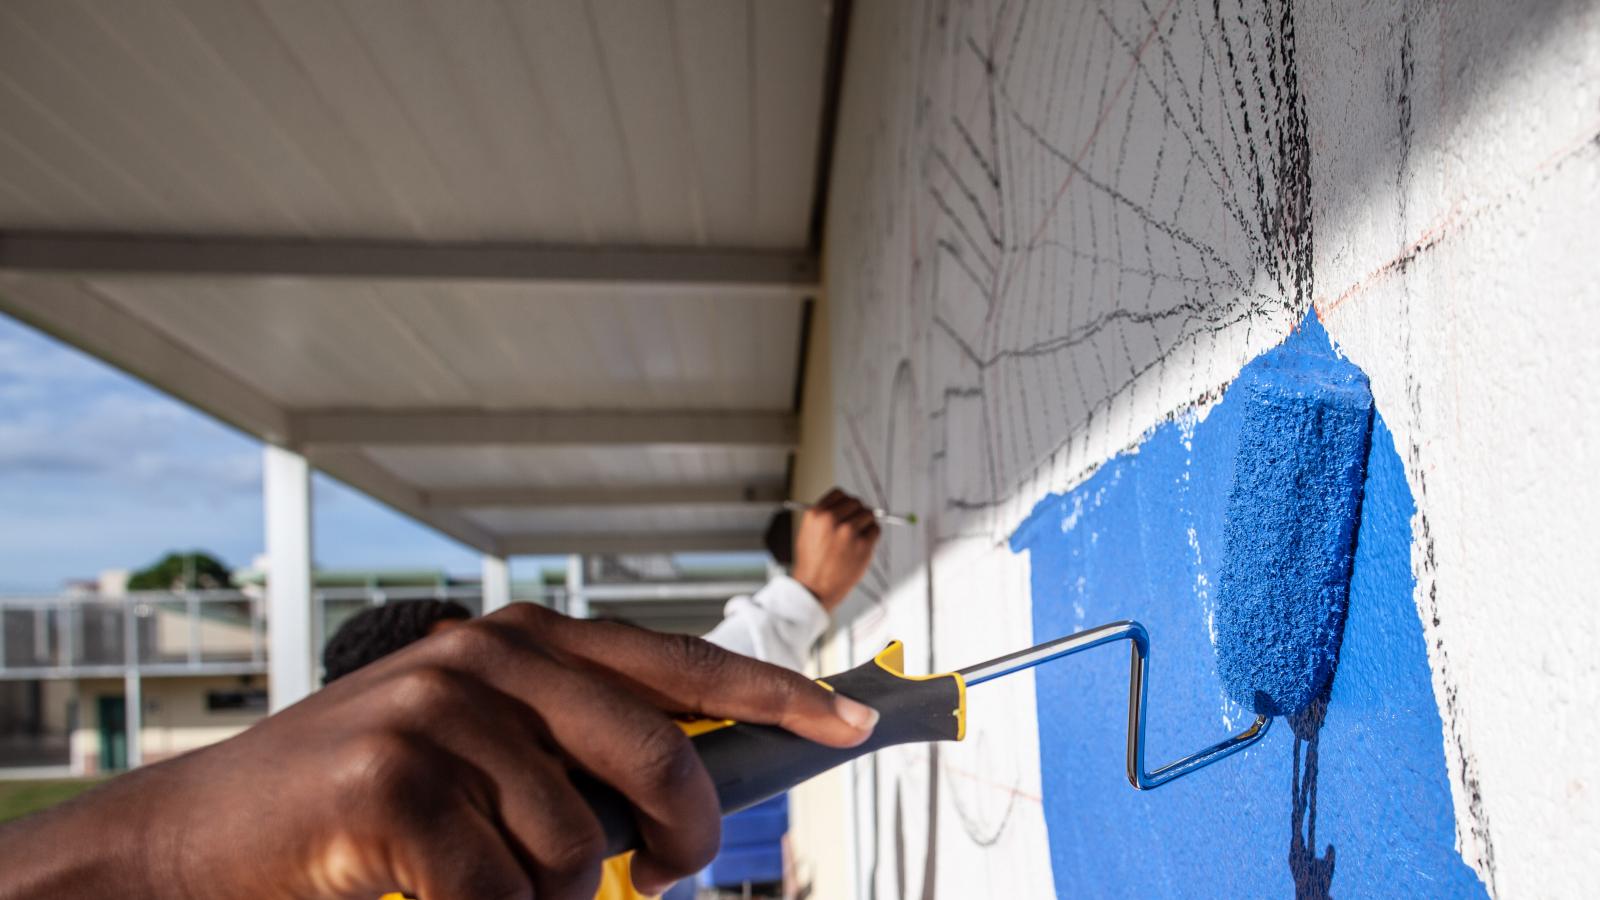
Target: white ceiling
[(688, 123), (439, 344), (294, 213), (556, 467)]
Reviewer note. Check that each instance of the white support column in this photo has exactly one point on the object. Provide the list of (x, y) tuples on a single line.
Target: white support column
[(191, 608), (577, 601), (69, 636), (132, 687), (77, 755), (133, 715), (496, 583), (286, 486)]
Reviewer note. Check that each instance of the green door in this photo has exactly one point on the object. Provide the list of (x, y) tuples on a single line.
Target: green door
[(113, 734)]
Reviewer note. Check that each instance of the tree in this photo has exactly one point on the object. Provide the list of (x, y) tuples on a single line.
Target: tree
[(195, 570)]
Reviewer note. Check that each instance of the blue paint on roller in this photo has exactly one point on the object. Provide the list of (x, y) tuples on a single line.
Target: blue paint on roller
[(1350, 798), (1299, 465)]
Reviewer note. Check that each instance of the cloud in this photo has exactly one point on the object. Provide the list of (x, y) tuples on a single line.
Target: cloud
[(143, 440), (34, 368), (30, 356), (66, 418), (98, 470)]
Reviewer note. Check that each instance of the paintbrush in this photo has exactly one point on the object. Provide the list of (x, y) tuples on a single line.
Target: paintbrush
[(882, 515)]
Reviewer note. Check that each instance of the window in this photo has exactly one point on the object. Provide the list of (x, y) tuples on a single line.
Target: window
[(241, 700)]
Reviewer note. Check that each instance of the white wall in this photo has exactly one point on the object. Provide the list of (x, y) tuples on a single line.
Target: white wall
[(1047, 236), (1463, 277)]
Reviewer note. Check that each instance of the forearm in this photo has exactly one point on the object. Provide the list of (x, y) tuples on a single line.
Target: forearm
[(101, 843)]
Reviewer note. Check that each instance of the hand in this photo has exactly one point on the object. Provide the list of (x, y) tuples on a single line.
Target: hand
[(440, 771), (833, 546)]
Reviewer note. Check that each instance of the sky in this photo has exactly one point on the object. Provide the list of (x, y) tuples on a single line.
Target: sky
[(99, 471)]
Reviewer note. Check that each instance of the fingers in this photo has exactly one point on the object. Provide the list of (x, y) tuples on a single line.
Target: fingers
[(871, 533), (542, 669), (554, 833), (696, 676), (644, 755), (842, 508), (861, 520), (650, 877), (419, 802), (433, 864), (846, 509), (610, 732), (831, 499)]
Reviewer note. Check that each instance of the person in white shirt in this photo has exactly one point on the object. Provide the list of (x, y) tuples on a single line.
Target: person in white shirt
[(833, 544)]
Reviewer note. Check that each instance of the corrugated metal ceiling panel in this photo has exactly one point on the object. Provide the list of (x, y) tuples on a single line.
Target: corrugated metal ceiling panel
[(609, 123), (622, 520), (338, 343), (484, 466), (616, 121)]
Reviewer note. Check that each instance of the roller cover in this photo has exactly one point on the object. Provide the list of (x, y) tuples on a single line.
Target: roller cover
[(1291, 522)]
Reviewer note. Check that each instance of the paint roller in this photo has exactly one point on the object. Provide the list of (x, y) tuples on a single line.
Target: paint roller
[(1291, 526), (1282, 597)]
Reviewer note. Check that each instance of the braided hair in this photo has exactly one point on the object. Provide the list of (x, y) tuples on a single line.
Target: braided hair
[(378, 631)]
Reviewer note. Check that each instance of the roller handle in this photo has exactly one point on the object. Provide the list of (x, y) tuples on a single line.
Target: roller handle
[(750, 763)]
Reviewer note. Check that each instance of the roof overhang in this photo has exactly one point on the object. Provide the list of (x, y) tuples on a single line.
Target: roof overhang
[(540, 282)]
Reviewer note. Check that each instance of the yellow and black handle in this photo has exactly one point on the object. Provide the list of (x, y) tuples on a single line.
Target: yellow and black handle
[(750, 763)]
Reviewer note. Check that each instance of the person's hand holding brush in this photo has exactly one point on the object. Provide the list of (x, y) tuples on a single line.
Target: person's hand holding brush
[(833, 544)]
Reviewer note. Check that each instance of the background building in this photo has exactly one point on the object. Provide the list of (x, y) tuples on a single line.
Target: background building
[(83, 672)]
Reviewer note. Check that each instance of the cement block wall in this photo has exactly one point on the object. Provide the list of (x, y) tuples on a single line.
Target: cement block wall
[(1056, 233)]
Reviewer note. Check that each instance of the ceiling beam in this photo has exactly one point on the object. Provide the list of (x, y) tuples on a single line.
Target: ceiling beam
[(656, 542), (425, 427), (80, 316), (357, 470), (786, 272), (522, 496), (664, 592)]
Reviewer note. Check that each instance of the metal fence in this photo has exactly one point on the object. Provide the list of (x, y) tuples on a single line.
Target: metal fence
[(154, 632), (86, 635), (168, 632)]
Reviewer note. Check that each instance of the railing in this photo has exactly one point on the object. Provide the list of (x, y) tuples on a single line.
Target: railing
[(168, 632), (154, 632), (225, 632)]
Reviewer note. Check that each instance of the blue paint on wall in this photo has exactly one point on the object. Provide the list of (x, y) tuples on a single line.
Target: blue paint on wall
[(1349, 798)]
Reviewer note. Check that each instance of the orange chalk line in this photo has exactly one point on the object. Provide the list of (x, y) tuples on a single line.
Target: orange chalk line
[(1457, 217), (991, 783), (1088, 144), (1003, 286)]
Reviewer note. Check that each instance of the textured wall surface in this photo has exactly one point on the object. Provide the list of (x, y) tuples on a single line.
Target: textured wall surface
[(1057, 232)]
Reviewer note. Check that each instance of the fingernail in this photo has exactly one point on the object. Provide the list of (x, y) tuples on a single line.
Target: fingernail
[(860, 716)]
